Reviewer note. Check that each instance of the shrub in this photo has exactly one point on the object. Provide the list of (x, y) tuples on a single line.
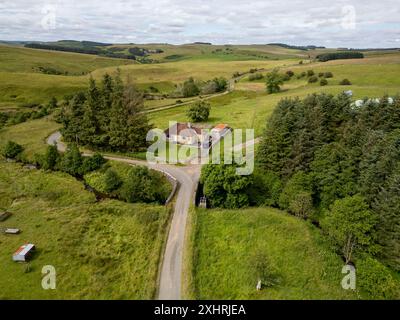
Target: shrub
[(375, 279), (262, 269), (50, 158), (111, 180), (323, 82), (199, 111), (92, 163), (345, 82), (312, 79), (301, 75), (236, 74), (310, 73), (12, 150), (52, 103), (221, 84), (143, 185), (320, 74), (189, 88), (290, 73), (301, 205), (209, 88), (71, 162), (255, 76), (328, 74), (274, 81)]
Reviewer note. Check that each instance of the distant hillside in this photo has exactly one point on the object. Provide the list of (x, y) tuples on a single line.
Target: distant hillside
[(96, 48), (287, 46)]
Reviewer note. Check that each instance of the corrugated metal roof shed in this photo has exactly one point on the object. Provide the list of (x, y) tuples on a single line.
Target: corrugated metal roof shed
[(23, 252)]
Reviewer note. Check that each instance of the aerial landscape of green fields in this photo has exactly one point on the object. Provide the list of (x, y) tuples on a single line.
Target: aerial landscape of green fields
[(317, 217)]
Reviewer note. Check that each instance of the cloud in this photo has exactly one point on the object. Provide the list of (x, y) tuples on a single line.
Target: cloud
[(320, 22)]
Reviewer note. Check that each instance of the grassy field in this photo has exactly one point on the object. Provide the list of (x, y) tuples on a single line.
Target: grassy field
[(224, 244), (200, 69), (249, 105), (31, 135), (104, 250), (25, 60), (22, 82)]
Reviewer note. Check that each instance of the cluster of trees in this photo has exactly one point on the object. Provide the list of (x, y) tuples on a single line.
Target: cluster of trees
[(89, 50), (87, 47), (340, 55), (71, 162), (12, 150), (109, 116), (283, 45), (313, 78), (191, 88), (223, 187), (199, 111), (37, 111), (137, 184), (342, 164)]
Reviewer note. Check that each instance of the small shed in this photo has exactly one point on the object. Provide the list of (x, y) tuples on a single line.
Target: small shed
[(4, 215), (24, 252), (12, 231)]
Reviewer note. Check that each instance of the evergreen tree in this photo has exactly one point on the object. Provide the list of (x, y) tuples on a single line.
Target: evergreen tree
[(387, 206), (71, 162), (90, 126), (129, 124), (71, 118), (51, 158)]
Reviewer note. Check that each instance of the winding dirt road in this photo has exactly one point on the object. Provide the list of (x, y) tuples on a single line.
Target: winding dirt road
[(170, 276)]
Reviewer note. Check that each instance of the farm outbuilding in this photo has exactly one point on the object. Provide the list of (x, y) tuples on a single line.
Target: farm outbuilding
[(24, 252), (12, 231)]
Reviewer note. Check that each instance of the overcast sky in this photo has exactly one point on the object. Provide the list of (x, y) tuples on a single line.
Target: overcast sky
[(340, 23)]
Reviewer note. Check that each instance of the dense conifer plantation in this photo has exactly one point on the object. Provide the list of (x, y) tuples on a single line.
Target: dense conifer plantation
[(343, 153)]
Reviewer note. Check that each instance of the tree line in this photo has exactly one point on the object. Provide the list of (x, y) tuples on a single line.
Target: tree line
[(340, 55)]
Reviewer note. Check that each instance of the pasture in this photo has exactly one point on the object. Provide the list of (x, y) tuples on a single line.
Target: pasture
[(226, 243), (100, 250), (249, 105)]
